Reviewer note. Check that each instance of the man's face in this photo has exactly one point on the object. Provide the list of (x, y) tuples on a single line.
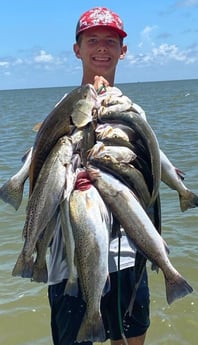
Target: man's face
[(99, 49)]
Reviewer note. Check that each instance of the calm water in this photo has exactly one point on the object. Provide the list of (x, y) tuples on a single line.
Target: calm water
[(172, 110)]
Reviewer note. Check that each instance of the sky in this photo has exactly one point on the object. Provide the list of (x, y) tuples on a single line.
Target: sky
[(37, 36)]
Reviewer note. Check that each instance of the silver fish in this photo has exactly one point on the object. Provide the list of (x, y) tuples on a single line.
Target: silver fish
[(12, 191), (40, 272), (126, 208), (120, 154), (71, 287), (171, 176), (126, 173), (148, 138), (43, 202), (89, 219), (107, 131), (82, 113), (57, 124)]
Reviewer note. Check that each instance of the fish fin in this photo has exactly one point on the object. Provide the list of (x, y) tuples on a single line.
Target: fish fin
[(91, 329), (37, 127), (71, 287), (154, 266), (177, 289), (26, 154), (107, 286), (188, 200), (180, 173), (23, 267), (40, 274), (12, 193)]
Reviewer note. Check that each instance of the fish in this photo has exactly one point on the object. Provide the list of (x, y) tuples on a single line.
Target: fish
[(107, 131), (82, 112), (119, 154), (172, 177), (43, 202), (126, 173), (40, 271), (91, 226), (138, 226), (57, 124), (71, 287), (149, 142), (11, 192), (116, 103), (88, 141)]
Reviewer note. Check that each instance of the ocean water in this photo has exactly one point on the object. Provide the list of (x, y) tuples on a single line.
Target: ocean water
[(172, 111)]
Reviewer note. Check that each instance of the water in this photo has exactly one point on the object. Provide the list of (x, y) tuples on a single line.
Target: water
[(171, 109)]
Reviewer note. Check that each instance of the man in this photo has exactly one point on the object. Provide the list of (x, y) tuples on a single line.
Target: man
[(99, 45)]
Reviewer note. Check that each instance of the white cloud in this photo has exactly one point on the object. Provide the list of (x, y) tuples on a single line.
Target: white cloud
[(163, 54), (188, 3), (147, 31), (43, 57), (4, 64), (18, 61), (146, 36)]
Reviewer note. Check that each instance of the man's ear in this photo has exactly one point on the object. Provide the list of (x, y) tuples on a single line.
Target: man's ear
[(76, 50), (123, 52)]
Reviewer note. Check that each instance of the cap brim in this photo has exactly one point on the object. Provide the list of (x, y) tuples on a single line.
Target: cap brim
[(120, 32)]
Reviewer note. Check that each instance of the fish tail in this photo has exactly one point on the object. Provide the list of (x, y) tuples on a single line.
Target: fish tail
[(12, 193), (40, 273), (91, 330), (71, 287), (177, 289), (188, 200), (23, 267)]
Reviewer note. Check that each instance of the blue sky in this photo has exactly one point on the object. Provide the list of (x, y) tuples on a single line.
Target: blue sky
[(37, 37)]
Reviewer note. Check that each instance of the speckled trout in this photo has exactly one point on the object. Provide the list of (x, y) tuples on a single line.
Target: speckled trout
[(126, 208), (90, 223), (43, 202), (148, 138), (59, 123)]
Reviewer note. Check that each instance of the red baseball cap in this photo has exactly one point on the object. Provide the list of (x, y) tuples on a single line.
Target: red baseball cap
[(98, 17)]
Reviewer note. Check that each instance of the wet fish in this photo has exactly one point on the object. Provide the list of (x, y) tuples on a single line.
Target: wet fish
[(116, 103), (57, 124), (148, 138), (71, 287), (82, 113), (119, 154), (171, 176), (40, 272), (89, 219), (12, 191), (43, 202), (89, 139), (149, 141), (139, 228), (107, 131), (126, 173)]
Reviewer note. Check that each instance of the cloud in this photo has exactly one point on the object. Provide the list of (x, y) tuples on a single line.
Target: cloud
[(43, 57), (187, 3), (4, 64), (163, 54), (147, 31)]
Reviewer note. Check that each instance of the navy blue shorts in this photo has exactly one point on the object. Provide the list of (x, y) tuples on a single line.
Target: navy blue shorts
[(67, 311)]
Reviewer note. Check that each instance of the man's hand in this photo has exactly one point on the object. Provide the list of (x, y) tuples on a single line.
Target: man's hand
[(100, 84)]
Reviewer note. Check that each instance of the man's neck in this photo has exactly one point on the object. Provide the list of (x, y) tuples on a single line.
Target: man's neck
[(89, 79)]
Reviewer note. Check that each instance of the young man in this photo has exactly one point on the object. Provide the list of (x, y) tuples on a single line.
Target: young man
[(99, 45)]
